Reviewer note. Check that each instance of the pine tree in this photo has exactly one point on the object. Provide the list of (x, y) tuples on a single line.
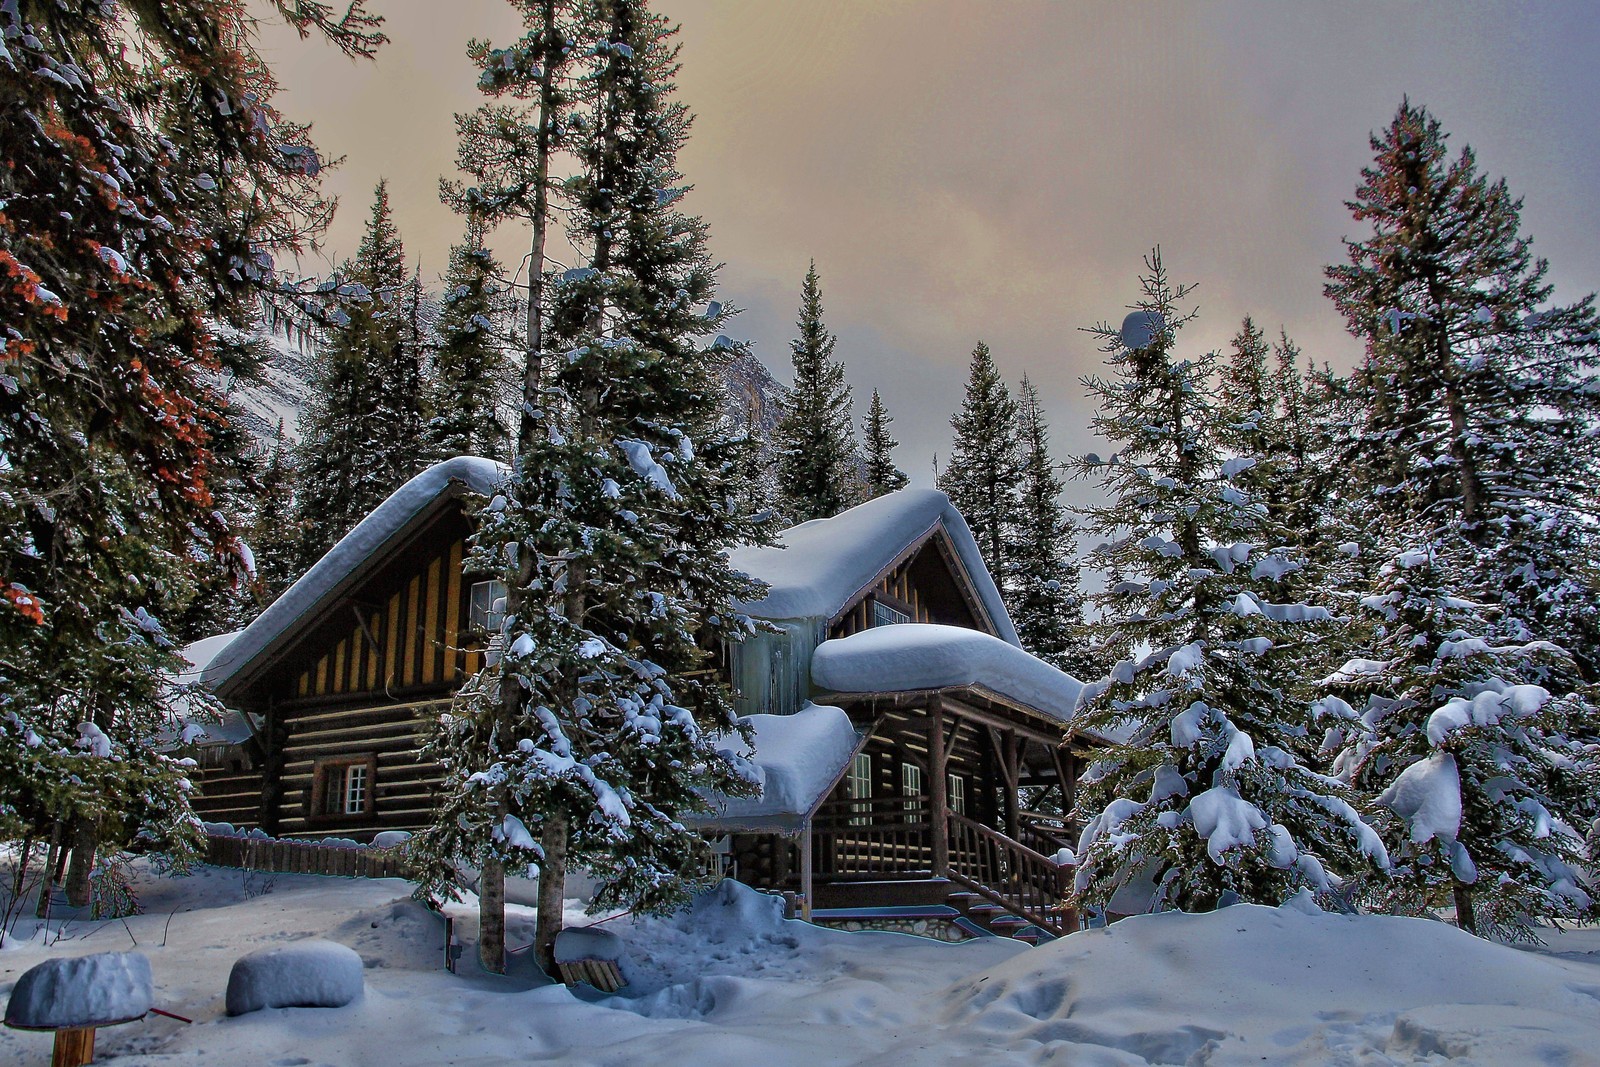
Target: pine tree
[(982, 477), (817, 458), (471, 371), (882, 475), (275, 535), (1209, 790), (358, 437), (507, 150), (148, 182), (596, 731), (1473, 443), (1476, 389), (1047, 598), (1480, 768)]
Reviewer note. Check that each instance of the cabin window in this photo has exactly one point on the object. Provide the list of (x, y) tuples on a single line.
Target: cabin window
[(885, 615), (487, 606), (956, 786), (342, 787), (859, 786), (911, 785)]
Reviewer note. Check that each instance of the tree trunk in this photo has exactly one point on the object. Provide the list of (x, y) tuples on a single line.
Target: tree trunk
[(85, 842), (492, 916), (552, 893), (1466, 918), (50, 875)]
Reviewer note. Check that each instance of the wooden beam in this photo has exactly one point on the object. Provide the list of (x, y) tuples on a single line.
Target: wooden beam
[(805, 872), (938, 799)]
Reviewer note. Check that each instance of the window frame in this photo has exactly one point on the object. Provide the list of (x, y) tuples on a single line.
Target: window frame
[(489, 622), (323, 774)]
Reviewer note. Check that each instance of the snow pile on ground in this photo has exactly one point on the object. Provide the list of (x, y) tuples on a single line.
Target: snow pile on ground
[(929, 656), (1288, 985), (731, 981), (98, 990), (307, 974)]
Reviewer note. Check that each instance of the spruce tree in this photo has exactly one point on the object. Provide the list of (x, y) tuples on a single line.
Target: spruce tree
[(983, 476), (470, 370), (1436, 721), (1047, 598), (1472, 440), (275, 535), (1208, 790), (148, 183), (353, 450), (882, 475), (595, 732), (1475, 387), (817, 453), (507, 151)]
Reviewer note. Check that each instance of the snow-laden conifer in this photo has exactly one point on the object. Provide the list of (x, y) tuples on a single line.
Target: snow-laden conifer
[(1439, 722), (983, 477), (1047, 597), (1206, 791), (148, 183), (818, 459), (881, 473), (593, 735), (359, 440), (1477, 389), (470, 372)]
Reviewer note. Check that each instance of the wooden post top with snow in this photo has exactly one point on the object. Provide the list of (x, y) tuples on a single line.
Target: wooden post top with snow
[(894, 712)]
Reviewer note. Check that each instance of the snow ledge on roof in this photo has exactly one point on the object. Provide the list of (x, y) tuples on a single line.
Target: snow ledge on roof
[(915, 656), (797, 760)]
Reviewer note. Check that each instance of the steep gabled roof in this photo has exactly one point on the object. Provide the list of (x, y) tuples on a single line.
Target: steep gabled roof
[(817, 570), (339, 570), (820, 567)]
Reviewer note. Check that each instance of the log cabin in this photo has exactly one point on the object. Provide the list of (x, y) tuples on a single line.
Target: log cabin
[(896, 718)]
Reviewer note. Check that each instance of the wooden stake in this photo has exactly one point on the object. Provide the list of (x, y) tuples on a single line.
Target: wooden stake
[(73, 1048)]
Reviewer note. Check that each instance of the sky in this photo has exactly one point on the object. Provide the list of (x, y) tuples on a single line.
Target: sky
[(966, 170)]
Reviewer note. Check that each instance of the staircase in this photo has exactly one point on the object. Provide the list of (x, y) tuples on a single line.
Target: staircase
[(1009, 889)]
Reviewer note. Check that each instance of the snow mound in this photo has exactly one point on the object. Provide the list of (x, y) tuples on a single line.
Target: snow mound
[(1220, 988), (307, 974), (98, 990), (929, 656), (587, 943)]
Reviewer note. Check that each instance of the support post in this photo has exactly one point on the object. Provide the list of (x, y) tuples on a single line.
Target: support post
[(1012, 772), (805, 870), (938, 798)]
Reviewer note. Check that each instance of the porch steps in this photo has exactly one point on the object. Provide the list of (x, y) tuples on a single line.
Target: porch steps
[(979, 915)]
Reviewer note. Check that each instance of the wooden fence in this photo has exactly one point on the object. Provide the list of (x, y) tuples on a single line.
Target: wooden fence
[(305, 857)]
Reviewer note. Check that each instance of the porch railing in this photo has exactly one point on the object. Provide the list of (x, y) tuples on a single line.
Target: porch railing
[(873, 837), (1010, 874)]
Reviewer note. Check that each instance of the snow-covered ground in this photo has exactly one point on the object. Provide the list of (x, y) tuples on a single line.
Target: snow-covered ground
[(730, 982)]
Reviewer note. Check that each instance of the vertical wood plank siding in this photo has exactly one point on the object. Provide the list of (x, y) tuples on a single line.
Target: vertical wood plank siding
[(417, 638)]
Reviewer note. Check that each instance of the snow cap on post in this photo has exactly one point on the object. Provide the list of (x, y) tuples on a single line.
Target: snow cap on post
[(64, 994)]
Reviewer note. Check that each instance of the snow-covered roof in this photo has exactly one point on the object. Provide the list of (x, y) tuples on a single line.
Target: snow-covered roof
[(819, 566), (797, 760), (916, 656), (233, 729), (333, 571)]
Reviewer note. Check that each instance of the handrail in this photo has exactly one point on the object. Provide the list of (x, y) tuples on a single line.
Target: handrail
[(1010, 874)]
